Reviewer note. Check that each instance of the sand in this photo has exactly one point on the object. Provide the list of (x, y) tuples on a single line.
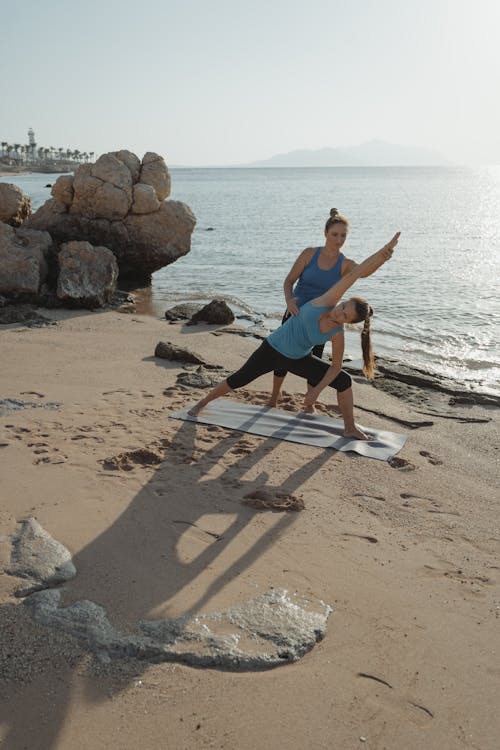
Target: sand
[(407, 557)]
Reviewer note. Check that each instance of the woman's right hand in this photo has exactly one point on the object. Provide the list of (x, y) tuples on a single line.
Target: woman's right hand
[(291, 306), (388, 249)]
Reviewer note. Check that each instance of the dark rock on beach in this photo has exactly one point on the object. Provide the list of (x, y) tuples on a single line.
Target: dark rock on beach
[(184, 311), (166, 350), (217, 311)]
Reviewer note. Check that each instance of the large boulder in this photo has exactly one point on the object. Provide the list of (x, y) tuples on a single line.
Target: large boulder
[(23, 260), (119, 203), (87, 275), (15, 207)]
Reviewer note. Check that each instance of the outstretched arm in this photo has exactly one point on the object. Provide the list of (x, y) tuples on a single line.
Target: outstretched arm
[(367, 267)]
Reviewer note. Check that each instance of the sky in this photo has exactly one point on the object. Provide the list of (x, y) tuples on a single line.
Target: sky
[(228, 82)]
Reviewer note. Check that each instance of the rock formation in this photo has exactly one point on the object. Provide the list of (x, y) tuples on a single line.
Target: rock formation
[(87, 274), (23, 259), (120, 203), (15, 207)]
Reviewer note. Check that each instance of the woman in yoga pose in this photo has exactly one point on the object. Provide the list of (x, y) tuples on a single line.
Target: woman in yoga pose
[(290, 345), (315, 271)]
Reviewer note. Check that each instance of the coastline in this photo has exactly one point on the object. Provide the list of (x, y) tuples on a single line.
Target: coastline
[(405, 554), (6, 172)]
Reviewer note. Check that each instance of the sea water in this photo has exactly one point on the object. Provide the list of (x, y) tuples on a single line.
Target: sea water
[(437, 301)]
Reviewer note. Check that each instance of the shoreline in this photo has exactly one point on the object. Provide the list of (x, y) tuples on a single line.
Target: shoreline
[(6, 171), (389, 368)]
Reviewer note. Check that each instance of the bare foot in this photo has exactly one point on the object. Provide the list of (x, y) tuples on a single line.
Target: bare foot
[(272, 404), (309, 409), (356, 434), (195, 410)]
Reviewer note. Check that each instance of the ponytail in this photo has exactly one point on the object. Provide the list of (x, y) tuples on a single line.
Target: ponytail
[(366, 348), (364, 311)]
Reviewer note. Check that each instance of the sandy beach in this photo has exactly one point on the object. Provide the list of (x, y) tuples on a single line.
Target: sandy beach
[(405, 554)]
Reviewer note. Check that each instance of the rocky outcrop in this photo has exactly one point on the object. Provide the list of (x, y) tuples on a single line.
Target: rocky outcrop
[(23, 259), (217, 311), (15, 207), (119, 203), (87, 274)]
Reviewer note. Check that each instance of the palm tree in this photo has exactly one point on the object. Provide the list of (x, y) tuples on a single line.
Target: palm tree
[(91, 156), (8, 149), (46, 151), (61, 151), (17, 146), (4, 146), (40, 153)]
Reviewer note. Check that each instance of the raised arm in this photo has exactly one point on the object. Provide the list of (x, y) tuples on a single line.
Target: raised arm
[(367, 267)]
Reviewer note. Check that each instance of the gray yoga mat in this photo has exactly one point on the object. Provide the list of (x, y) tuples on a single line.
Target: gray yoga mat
[(308, 429)]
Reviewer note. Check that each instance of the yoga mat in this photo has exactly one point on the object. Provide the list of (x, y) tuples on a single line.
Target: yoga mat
[(308, 429)]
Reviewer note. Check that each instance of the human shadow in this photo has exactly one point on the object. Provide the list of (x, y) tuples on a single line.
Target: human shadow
[(139, 568)]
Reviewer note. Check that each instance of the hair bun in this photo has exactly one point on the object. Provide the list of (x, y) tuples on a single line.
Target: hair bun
[(334, 212)]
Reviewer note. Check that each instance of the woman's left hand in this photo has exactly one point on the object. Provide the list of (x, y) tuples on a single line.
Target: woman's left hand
[(311, 397)]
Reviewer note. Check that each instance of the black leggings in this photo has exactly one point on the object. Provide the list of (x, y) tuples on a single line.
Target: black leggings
[(317, 351), (266, 359)]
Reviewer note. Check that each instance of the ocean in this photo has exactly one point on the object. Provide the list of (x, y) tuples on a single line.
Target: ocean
[(437, 302)]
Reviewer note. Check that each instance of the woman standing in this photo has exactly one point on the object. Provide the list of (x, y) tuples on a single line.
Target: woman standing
[(315, 271), (289, 347)]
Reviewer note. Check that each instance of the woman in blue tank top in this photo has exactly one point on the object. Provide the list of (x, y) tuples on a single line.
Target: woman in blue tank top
[(314, 272), (290, 346)]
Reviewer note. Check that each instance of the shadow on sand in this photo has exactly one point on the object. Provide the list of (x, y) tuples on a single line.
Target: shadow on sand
[(166, 555)]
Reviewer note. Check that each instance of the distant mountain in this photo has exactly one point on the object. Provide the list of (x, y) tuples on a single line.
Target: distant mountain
[(369, 154)]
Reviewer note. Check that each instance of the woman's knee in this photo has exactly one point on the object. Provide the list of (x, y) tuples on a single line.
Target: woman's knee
[(342, 382)]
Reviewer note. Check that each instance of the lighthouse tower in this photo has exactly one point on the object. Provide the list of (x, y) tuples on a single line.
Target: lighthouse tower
[(32, 142)]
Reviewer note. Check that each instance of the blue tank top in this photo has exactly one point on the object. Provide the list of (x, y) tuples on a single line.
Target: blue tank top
[(300, 333), (314, 281)]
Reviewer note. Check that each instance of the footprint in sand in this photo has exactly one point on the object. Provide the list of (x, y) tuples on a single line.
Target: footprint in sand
[(471, 582), (401, 463), (264, 499), (369, 498), (129, 460), (432, 459), (416, 711), (429, 504), (367, 538)]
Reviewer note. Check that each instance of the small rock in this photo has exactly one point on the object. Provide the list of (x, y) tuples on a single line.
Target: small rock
[(217, 311)]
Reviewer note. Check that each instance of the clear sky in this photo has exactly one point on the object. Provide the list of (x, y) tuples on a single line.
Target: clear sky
[(226, 82)]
